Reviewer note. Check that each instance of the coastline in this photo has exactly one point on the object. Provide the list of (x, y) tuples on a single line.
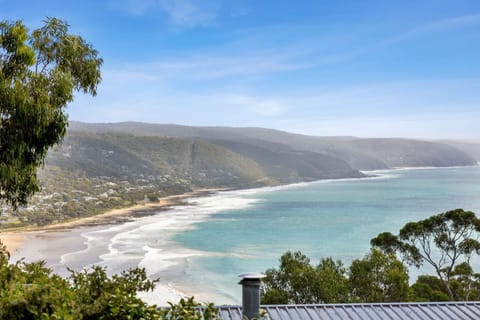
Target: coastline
[(166, 254), (13, 238), (71, 232), (164, 292)]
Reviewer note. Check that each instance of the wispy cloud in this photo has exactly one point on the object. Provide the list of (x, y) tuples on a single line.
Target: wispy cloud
[(393, 97), (185, 13), (354, 52), (134, 7), (437, 109), (436, 26), (263, 107), (181, 13), (127, 76), (259, 53), (221, 65), (239, 80), (459, 21)]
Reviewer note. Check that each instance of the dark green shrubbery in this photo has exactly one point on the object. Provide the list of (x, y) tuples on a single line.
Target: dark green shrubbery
[(378, 277), (31, 291)]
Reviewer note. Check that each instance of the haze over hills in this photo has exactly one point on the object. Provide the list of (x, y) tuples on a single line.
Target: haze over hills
[(472, 147), (359, 153), (104, 166)]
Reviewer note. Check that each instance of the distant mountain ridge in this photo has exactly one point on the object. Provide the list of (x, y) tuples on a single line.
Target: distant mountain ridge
[(358, 153), (103, 166), (470, 147)]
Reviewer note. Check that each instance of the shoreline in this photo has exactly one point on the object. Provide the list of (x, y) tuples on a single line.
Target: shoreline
[(13, 238), (12, 241), (165, 254)]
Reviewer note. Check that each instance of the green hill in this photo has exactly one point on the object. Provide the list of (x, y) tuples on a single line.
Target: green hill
[(92, 173), (358, 153), (129, 157), (287, 165), (103, 166)]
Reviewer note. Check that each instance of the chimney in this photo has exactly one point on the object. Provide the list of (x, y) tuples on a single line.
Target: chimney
[(251, 294)]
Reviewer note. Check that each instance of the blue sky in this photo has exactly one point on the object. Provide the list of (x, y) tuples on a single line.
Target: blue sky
[(353, 67)]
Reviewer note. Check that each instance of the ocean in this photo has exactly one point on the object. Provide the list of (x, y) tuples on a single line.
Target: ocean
[(200, 248)]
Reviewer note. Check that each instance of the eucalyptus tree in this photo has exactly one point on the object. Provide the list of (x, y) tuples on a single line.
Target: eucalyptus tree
[(298, 281), (39, 73), (446, 241), (378, 277)]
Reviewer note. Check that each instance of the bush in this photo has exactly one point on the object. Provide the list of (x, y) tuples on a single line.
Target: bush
[(32, 291)]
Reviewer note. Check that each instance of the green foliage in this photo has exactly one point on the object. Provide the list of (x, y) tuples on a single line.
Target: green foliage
[(101, 297), (292, 282), (465, 283), (375, 278), (465, 286), (378, 277), (297, 281), (332, 285), (4, 254), (38, 73), (31, 291), (191, 310), (429, 288), (446, 241)]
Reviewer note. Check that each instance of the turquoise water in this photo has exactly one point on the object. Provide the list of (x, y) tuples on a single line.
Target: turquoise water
[(201, 248), (336, 218)]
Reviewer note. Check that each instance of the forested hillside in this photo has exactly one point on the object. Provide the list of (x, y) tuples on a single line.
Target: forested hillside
[(103, 166), (89, 174), (359, 153)]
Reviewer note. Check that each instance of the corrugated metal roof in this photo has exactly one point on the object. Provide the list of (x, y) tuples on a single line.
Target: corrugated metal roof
[(365, 311)]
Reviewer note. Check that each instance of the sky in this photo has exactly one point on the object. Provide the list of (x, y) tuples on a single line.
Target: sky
[(363, 68)]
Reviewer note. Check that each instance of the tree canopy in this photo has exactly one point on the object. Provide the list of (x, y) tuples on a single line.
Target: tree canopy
[(39, 72), (298, 281), (375, 278), (378, 277), (445, 241)]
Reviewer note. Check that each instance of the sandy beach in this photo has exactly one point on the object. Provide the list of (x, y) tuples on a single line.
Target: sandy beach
[(52, 242), (14, 238)]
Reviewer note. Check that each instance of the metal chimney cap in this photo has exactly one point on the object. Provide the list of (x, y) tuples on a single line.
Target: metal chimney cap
[(252, 275)]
